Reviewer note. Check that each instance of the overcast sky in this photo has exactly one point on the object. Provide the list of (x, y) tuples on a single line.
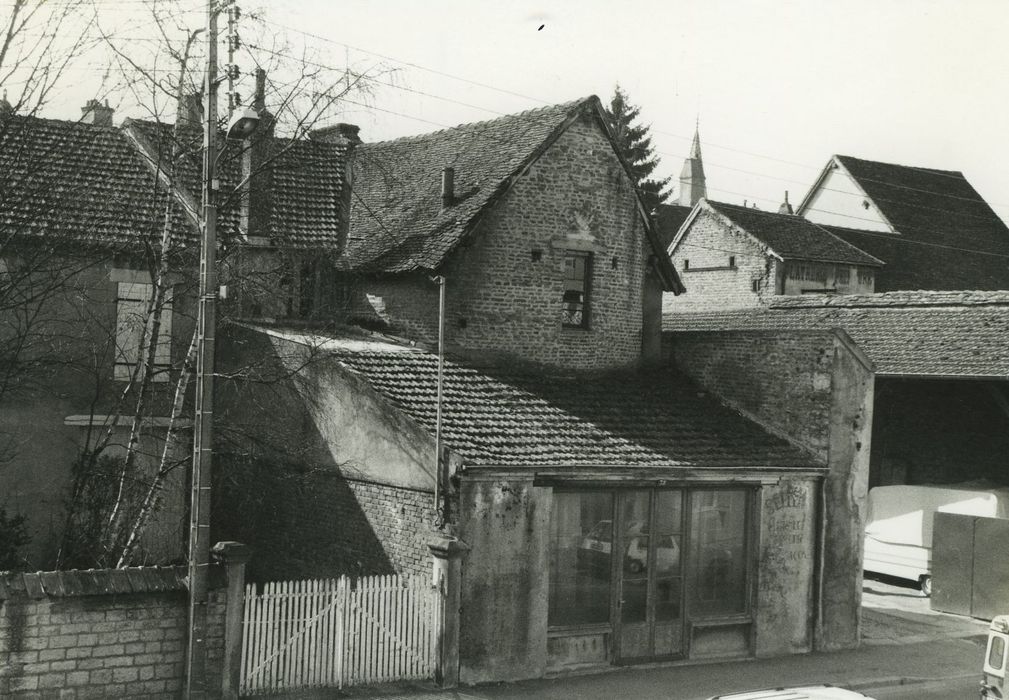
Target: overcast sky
[(777, 86)]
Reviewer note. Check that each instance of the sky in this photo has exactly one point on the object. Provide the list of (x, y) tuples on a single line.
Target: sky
[(775, 87)]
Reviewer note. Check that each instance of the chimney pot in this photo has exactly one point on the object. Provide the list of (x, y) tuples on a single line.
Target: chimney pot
[(447, 187), (94, 112)]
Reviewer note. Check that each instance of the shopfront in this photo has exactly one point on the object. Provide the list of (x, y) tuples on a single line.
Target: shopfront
[(563, 574), (633, 570)]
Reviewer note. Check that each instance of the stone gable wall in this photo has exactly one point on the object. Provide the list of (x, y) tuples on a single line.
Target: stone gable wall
[(505, 283), (712, 284)]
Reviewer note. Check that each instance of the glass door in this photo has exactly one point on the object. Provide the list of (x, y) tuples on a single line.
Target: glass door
[(649, 538)]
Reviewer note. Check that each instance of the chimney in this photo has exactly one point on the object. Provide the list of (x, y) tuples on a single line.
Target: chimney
[(191, 111), (447, 187), (5, 107), (94, 112), (348, 134), (785, 207), (257, 200)]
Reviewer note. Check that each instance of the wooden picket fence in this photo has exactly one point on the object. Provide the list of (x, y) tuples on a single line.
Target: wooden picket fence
[(339, 632)]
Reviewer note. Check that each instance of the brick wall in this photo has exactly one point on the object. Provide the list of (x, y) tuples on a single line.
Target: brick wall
[(783, 379), (65, 635), (712, 284), (505, 284), (317, 524)]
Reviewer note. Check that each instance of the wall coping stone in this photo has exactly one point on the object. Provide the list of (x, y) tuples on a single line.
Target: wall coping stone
[(74, 583)]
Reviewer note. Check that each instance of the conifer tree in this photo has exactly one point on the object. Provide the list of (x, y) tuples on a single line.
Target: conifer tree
[(636, 146)]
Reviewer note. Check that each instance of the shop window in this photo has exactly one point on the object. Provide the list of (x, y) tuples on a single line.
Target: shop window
[(134, 322), (577, 278), (718, 520), (581, 543)]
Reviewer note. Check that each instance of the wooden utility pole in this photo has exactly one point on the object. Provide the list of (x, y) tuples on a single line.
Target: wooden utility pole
[(199, 504)]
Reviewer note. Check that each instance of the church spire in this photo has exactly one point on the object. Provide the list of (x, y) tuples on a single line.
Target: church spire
[(692, 185)]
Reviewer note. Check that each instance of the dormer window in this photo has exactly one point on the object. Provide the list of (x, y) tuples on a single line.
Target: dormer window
[(577, 278)]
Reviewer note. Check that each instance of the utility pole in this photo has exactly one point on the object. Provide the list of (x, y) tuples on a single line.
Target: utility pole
[(199, 504)]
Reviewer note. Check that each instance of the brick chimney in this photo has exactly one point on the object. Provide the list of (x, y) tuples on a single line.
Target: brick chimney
[(257, 200), (5, 107), (94, 112), (349, 137), (191, 111)]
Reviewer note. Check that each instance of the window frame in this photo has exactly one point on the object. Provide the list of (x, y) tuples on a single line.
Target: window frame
[(586, 302), (127, 350)]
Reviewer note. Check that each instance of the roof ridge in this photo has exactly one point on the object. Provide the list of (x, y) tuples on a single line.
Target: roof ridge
[(568, 107), (920, 168)]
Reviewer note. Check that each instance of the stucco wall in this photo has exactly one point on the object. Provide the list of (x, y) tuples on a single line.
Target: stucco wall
[(838, 201), (505, 580), (786, 567), (73, 340), (505, 283)]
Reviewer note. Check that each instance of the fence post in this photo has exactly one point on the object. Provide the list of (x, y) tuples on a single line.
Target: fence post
[(234, 556), (447, 576)]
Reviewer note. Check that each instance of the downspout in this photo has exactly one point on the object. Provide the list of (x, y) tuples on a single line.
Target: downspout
[(440, 516)]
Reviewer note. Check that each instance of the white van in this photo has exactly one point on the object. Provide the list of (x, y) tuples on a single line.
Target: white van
[(898, 524)]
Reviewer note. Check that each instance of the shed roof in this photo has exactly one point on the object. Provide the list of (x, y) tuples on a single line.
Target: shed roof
[(926, 334)]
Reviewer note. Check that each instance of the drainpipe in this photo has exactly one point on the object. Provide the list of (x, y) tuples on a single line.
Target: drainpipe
[(440, 516)]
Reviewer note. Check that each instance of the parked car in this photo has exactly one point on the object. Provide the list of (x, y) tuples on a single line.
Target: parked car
[(993, 676), (806, 692), (597, 545)]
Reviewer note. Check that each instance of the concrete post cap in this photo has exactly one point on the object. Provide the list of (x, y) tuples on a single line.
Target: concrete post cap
[(232, 552), (446, 547)]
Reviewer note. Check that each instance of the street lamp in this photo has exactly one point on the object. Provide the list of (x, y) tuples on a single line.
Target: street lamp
[(242, 124)]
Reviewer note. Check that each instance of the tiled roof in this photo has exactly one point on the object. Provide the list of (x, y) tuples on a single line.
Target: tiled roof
[(668, 219), (80, 183), (949, 238), (938, 334), (792, 237), (397, 219), (515, 418), (305, 181)]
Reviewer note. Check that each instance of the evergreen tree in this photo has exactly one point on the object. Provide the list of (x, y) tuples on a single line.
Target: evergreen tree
[(636, 146)]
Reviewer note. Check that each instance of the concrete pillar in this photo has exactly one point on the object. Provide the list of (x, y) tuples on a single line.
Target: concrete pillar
[(447, 576), (234, 556)]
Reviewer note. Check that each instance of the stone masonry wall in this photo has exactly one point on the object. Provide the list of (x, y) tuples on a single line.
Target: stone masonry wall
[(783, 379), (702, 261), (505, 283), (61, 639)]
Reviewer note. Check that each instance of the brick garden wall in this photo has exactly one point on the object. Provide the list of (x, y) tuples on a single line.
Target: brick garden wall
[(100, 634), (781, 378), (505, 283)]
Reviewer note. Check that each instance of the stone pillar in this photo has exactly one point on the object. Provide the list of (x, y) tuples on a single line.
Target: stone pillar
[(447, 576), (234, 556)]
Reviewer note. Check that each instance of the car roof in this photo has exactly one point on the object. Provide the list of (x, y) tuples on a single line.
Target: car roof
[(806, 692)]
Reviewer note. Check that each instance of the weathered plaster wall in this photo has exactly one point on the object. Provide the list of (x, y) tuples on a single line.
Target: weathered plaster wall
[(838, 201), (816, 389), (844, 498), (505, 580), (505, 283), (702, 260), (786, 567), (782, 379), (317, 473)]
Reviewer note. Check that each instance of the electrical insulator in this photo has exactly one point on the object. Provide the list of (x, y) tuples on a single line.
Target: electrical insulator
[(234, 71), (234, 42)]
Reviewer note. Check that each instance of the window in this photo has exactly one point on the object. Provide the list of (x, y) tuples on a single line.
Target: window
[(581, 540), (732, 261), (577, 275), (755, 285), (718, 542), (686, 263), (133, 326)]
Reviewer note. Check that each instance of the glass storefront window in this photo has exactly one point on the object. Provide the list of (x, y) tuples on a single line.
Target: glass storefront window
[(718, 547), (581, 531)]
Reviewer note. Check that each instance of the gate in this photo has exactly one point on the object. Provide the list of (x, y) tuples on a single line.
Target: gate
[(339, 632)]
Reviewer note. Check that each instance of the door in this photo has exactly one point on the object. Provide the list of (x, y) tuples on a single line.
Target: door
[(649, 594)]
